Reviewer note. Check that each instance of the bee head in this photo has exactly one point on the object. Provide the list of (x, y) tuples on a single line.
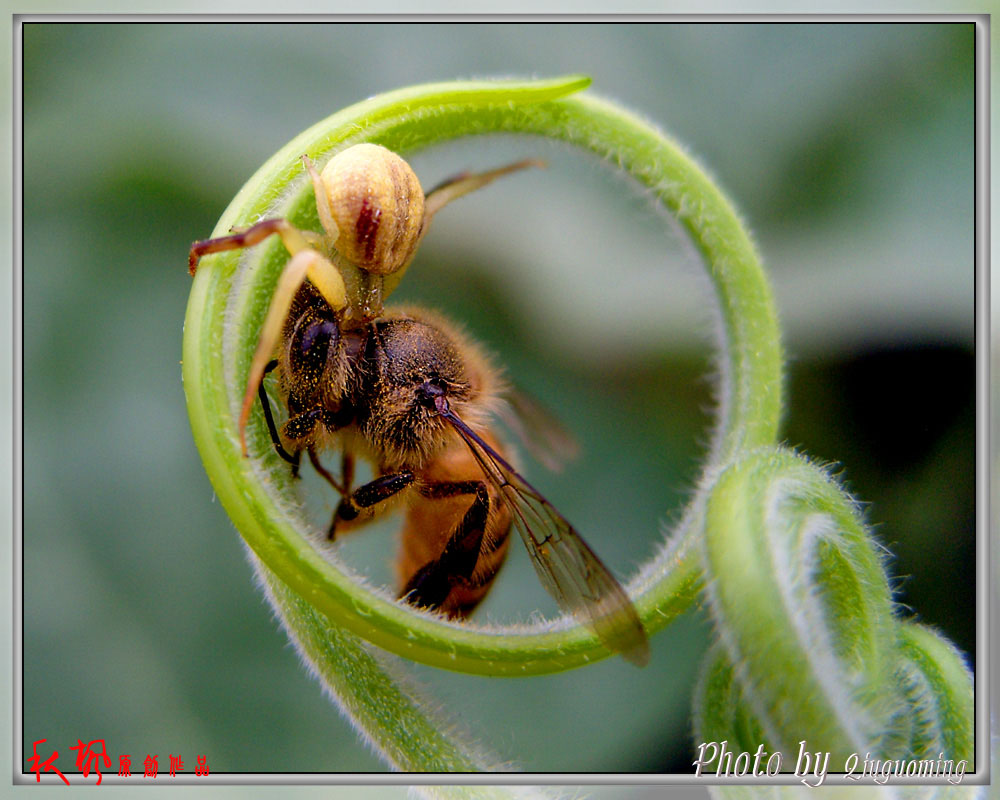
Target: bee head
[(414, 366)]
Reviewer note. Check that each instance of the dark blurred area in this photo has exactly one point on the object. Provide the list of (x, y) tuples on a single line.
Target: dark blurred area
[(848, 149), (898, 423)]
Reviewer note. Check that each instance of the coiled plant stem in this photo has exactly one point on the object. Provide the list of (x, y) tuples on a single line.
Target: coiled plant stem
[(333, 618)]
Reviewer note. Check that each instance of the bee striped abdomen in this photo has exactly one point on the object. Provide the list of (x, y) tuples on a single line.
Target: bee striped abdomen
[(454, 510)]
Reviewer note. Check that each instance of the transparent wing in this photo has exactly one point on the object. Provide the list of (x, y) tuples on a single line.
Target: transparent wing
[(569, 570), (538, 429)]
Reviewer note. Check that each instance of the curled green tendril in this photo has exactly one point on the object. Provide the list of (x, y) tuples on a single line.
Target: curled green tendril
[(231, 293), (809, 645)]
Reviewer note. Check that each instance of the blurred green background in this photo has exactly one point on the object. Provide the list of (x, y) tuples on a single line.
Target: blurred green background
[(848, 149)]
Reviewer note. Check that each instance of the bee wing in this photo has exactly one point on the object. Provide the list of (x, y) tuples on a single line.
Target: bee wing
[(570, 571), (538, 429)]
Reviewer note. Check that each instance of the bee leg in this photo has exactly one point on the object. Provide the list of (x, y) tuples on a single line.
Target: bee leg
[(432, 583), (325, 473), (368, 496), (347, 470), (299, 426), (272, 428)]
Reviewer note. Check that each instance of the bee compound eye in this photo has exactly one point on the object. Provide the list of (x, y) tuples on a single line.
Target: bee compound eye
[(320, 334)]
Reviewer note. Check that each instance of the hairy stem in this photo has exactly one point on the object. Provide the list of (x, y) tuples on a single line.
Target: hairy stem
[(231, 293), (809, 645)]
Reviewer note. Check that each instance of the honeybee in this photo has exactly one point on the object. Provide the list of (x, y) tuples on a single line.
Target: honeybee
[(409, 393)]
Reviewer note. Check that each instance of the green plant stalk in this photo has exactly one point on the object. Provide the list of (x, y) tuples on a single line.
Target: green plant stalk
[(230, 294), (408, 735), (418, 743)]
